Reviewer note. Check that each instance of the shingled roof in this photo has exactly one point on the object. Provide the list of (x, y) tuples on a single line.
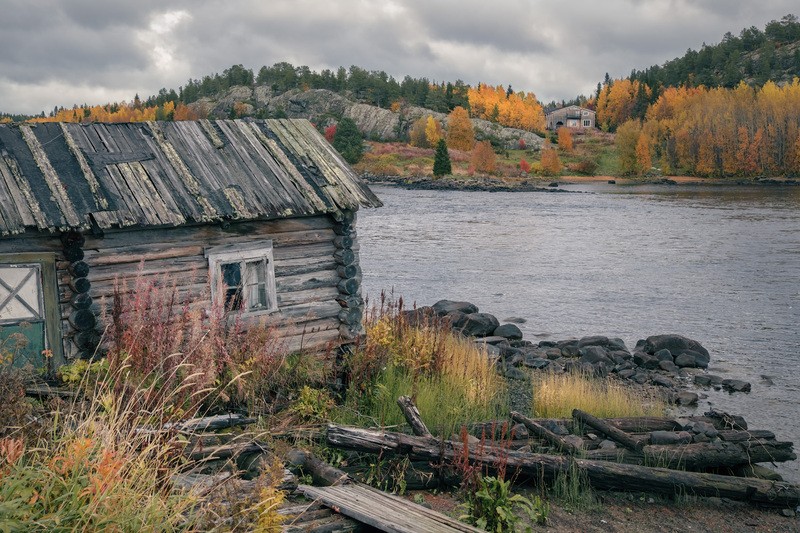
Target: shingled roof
[(61, 176)]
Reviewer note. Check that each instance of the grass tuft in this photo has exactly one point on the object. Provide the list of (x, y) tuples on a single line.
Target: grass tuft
[(556, 395)]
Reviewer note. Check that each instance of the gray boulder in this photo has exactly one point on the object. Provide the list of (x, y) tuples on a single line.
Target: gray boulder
[(445, 307), (595, 340), (663, 355), (676, 344), (735, 385), (476, 324), (594, 354), (509, 331), (670, 437)]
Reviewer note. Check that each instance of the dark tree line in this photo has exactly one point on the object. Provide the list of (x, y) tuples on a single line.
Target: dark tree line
[(752, 55)]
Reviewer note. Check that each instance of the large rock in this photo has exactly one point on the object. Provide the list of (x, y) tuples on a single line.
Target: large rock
[(595, 340), (445, 307), (421, 316), (476, 324), (676, 344), (509, 331), (594, 354)]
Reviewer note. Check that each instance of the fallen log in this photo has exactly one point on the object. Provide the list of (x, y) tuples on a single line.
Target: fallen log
[(601, 474), (699, 456), (543, 433), (413, 417), (607, 429), (226, 451), (322, 473), (627, 424)]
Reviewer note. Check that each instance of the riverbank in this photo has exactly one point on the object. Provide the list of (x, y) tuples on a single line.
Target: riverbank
[(552, 184)]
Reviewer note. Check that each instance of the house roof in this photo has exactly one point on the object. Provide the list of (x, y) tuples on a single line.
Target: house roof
[(568, 109), (62, 176)]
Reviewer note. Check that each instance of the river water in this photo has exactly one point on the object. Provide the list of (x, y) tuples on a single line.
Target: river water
[(717, 264)]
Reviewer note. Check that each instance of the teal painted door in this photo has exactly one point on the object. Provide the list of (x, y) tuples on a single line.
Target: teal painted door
[(22, 316)]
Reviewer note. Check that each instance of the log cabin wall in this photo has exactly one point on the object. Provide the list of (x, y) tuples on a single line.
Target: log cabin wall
[(98, 199), (305, 269)]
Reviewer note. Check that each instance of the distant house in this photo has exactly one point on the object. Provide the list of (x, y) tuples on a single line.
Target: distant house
[(572, 117), (265, 207)]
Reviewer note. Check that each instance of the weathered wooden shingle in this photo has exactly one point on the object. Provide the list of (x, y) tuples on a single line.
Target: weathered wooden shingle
[(55, 177)]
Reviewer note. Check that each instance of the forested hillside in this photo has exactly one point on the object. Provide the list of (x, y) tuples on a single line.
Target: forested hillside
[(754, 57), (498, 104)]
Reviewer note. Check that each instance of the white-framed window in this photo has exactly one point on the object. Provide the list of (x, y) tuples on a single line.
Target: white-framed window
[(244, 276), (587, 123)]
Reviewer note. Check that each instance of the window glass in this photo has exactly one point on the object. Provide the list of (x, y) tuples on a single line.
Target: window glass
[(232, 278)]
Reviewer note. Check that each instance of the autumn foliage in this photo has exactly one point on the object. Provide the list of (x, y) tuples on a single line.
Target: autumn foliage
[(514, 110), (433, 131), (620, 101), (460, 133), (717, 132), (565, 140), (416, 135), (483, 159), (551, 164), (124, 112), (524, 166)]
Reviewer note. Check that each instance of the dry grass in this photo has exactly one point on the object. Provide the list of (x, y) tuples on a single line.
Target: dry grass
[(451, 381), (556, 395)]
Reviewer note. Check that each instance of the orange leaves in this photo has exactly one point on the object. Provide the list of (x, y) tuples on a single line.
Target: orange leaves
[(123, 112), (551, 164), (514, 110), (565, 140), (460, 133), (10, 452), (524, 166), (618, 101), (483, 159), (724, 132)]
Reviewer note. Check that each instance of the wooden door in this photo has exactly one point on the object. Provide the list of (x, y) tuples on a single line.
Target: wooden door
[(25, 297)]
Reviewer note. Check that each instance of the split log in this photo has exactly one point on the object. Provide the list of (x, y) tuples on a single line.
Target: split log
[(213, 423), (601, 474), (627, 424), (413, 417), (699, 456), (607, 429), (322, 473), (542, 432)]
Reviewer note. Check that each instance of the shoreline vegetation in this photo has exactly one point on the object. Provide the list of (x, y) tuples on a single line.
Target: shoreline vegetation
[(128, 441)]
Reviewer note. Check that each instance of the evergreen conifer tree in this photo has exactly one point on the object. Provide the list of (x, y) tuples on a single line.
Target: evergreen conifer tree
[(441, 161), (348, 141)]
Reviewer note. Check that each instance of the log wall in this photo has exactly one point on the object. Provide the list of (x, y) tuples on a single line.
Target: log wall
[(315, 260)]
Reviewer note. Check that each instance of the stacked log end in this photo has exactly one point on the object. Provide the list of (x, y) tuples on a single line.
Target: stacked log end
[(350, 296), (80, 314)]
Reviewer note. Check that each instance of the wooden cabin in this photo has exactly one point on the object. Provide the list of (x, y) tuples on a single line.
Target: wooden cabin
[(263, 210)]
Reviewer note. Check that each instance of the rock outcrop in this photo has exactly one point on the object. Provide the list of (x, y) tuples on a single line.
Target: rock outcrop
[(322, 106)]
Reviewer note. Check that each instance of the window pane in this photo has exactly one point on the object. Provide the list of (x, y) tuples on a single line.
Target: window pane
[(256, 281), (232, 278)]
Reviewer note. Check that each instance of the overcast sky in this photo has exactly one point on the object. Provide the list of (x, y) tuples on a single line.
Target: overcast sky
[(63, 52)]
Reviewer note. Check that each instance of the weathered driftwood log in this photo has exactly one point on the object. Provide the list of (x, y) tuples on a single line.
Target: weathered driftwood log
[(322, 473), (629, 425), (700, 456), (413, 417), (542, 432), (225, 451), (601, 474), (607, 429), (212, 423)]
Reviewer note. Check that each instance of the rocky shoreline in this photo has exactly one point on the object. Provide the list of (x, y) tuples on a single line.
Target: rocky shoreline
[(489, 184), (670, 363)]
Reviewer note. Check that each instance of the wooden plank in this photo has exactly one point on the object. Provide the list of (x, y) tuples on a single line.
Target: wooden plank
[(59, 194), (320, 203), (209, 212), (88, 174), (25, 196), (384, 511), (160, 194)]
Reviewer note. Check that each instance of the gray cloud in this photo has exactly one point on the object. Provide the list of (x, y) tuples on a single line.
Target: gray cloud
[(60, 53)]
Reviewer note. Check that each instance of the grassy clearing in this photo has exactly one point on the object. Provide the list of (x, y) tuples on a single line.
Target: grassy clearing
[(556, 395), (451, 381)]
